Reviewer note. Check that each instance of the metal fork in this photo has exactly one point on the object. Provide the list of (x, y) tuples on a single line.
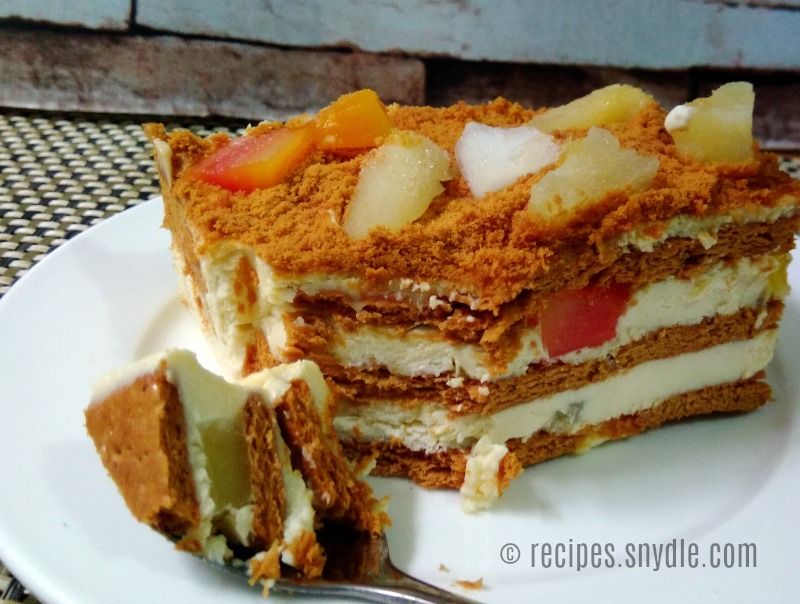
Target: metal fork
[(359, 567)]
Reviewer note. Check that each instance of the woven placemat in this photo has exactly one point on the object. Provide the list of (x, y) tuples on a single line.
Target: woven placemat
[(62, 173)]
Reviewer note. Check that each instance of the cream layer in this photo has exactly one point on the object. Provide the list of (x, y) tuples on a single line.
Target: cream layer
[(430, 427), (703, 229), (481, 486)]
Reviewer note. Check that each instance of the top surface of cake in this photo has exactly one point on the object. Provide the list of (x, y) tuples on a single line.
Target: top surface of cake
[(494, 244)]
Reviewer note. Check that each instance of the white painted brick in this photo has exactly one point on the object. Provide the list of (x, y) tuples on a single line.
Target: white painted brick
[(92, 14), (651, 34)]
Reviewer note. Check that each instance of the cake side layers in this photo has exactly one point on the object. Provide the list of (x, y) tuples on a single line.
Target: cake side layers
[(447, 468), (463, 397), (431, 428), (720, 290)]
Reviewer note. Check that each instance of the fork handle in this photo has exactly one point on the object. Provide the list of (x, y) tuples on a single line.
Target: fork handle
[(404, 590)]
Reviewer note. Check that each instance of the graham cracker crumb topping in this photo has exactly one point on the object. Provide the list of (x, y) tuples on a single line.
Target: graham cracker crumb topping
[(493, 246)]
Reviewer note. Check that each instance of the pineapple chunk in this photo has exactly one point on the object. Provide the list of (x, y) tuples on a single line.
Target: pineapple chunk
[(397, 183), (718, 128), (609, 105), (593, 166)]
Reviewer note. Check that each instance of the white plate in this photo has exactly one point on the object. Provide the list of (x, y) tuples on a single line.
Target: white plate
[(108, 297)]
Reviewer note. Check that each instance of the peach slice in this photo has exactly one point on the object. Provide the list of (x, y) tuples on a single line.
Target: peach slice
[(354, 121)]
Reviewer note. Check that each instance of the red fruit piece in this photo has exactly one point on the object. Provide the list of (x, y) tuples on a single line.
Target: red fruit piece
[(575, 319)]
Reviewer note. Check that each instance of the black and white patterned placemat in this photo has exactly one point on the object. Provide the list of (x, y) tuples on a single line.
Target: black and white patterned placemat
[(62, 173)]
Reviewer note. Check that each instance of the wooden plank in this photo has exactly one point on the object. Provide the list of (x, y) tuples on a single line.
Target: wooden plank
[(170, 75)]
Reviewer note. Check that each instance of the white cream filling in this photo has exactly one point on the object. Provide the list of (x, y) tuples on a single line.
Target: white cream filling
[(720, 291), (481, 486), (299, 513), (679, 117), (429, 428)]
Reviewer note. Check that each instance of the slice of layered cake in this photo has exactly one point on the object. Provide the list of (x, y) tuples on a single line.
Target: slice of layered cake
[(225, 468), (489, 286)]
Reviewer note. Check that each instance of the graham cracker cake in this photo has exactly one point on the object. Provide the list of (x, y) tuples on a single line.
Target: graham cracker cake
[(489, 286), (222, 468)]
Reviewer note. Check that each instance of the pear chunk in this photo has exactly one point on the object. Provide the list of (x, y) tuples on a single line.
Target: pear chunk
[(492, 158), (593, 166), (718, 128), (397, 183), (613, 104)]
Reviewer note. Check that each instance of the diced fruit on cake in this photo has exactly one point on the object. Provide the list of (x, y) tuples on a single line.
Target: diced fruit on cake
[(355, 121), (716, 128), (613, 104), (582, 318), (397, 183), (593, 167), (257, 162), (491, 157)]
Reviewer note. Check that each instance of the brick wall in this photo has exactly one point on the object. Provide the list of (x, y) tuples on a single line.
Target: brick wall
[(270, 58)]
